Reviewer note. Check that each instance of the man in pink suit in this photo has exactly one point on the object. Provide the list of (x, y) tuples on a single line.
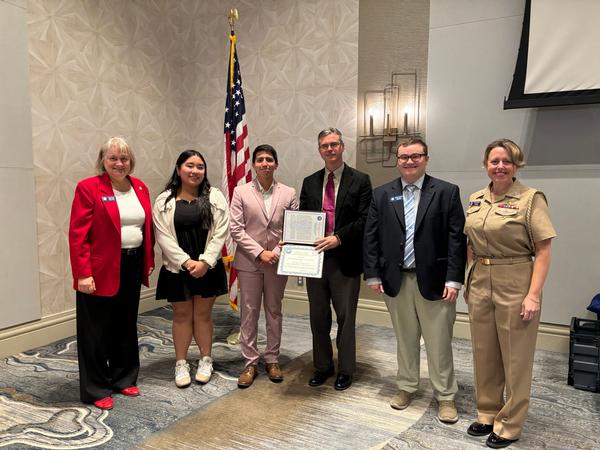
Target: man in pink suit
[(257, 227)]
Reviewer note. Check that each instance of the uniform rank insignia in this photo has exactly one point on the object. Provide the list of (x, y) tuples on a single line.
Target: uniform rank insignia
[(508, 206), (475, 203), (397, 198)]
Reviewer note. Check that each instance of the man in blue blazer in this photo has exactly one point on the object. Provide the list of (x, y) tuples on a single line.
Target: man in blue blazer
[(344, 194), (415, 254)]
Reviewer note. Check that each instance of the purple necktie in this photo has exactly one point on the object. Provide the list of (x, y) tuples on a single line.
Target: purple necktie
[(329, 205)]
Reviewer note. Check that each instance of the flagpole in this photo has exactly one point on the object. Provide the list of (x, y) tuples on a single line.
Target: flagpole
[(232, 17)]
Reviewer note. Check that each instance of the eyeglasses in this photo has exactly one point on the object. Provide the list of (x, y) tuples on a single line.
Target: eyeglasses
[(415, 157), (332, 145)]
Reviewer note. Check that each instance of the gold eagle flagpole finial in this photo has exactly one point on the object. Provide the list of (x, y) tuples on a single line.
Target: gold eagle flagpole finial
[(232, 17)]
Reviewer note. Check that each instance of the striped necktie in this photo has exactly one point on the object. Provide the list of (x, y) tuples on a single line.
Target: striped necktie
[(410, 214)]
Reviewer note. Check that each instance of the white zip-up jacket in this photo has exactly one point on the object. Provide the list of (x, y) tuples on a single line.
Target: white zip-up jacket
[(164, 226)]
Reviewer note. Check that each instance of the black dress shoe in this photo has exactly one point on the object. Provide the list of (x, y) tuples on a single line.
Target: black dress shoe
[(342, 382), (479, 429), (320, 377), (495, 441)]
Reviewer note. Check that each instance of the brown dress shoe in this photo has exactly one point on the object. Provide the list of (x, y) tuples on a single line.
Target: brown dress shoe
[(247, 377), (274, 372)]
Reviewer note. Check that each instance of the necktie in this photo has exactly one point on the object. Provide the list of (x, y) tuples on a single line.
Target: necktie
[(329, 205), (410, 213)]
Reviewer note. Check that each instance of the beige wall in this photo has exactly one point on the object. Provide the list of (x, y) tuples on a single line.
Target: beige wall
[(19, 287), (393, 37), (155, 73), (472, 55), (98, 69)]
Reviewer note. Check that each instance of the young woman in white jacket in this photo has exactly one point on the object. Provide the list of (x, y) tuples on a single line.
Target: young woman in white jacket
[(191, 221)]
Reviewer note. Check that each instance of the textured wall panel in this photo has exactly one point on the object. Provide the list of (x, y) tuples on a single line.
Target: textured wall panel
[(155, 72)]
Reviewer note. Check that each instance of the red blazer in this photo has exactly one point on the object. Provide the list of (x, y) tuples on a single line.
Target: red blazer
[(95, 234)]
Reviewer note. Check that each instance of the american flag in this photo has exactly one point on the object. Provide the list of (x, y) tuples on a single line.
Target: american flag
[(236, 169)]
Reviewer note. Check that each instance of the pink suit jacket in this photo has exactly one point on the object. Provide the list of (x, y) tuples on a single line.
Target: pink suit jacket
[(95, 234), (252, 229)]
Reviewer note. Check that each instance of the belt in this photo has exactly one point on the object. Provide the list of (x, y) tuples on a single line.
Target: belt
[(491, 261), (131, 251), (411, 270)]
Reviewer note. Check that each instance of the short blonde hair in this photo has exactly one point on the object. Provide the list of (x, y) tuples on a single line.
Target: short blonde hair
[(514, 151), (121, 146)]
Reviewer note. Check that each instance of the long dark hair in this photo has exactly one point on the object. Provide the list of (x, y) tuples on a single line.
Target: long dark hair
[(174, 184)]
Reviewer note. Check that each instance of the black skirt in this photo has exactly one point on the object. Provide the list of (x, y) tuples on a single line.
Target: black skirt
[(179, 287)]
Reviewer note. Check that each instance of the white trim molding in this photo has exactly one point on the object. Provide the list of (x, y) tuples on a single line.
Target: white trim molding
[(373, 312)]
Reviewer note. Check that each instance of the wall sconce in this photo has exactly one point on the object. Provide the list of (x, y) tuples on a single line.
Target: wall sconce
[(390, 116)]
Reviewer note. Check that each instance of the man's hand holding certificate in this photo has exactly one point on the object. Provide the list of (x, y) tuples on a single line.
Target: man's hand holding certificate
[(326, 243), (301, 231)]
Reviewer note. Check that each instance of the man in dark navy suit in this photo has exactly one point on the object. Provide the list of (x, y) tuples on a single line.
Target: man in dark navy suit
[(415, 254), (344, 194)]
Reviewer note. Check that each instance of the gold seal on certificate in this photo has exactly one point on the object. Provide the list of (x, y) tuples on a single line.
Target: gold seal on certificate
[(298, 255)]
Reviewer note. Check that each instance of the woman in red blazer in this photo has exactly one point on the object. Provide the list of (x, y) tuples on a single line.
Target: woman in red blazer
[(111, 245)]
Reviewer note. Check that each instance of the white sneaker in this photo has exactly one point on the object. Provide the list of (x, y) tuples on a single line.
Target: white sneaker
[(205, 369), (182, 373)]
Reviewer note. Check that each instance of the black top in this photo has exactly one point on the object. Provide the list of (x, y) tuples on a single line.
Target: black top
[(190, 236)]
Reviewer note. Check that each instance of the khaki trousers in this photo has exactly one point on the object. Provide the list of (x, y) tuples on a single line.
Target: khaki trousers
[(503, 345), (413, 316)]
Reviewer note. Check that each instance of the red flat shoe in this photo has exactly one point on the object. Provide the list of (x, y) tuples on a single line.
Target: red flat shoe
[(131, 391), (104, 403)]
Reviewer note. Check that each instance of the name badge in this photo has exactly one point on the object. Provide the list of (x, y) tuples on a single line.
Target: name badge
[(111, 198), (475, 203), (397, 198)]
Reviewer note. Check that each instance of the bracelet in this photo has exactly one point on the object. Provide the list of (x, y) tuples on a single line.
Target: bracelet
[(532, 299)]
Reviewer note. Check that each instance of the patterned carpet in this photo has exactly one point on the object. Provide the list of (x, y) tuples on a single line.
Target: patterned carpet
[(292, 415), (39, 391), (39, 406), (560, 417)]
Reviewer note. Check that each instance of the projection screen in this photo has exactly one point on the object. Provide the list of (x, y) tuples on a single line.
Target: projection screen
[(559, 56)]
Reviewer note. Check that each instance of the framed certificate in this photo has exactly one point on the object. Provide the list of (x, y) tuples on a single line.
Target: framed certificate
[(303, 227), (300, 261), (298, 255)]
